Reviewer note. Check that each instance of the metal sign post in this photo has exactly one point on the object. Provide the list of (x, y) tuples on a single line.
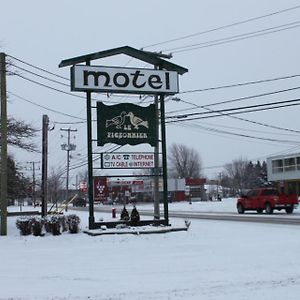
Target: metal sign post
[(90, 158), (164, 157)]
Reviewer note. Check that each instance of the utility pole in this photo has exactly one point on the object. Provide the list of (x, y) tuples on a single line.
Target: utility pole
[(33, 196), (44, 164), (68, 147), (3, 192)]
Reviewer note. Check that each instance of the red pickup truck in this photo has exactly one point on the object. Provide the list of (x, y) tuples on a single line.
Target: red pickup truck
[(266, 199)]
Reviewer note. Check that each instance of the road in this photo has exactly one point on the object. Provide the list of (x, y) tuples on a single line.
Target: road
[(276, 218)]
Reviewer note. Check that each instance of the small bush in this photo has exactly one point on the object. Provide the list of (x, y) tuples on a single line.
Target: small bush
[(24, 225), (64, 223), (134, 217), (73, 222), (47, 224), (37, 226), (124, 214), (54, 225)]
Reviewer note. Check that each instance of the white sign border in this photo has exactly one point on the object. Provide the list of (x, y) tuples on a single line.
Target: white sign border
[(77, 82)]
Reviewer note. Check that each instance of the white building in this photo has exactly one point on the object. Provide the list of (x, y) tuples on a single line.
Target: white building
[(285, 169)]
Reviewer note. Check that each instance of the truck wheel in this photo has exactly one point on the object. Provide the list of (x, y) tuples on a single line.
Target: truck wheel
[(290, 209), (240, 208), (268, 208), (259, 211)]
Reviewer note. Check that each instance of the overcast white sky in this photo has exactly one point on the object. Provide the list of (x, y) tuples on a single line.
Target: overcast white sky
[(44, 33)]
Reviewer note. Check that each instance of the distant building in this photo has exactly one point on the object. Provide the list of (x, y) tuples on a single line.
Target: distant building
[(285, 170)]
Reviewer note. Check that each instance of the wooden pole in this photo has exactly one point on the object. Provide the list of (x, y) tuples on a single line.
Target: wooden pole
[(44, 164), (3, 192)]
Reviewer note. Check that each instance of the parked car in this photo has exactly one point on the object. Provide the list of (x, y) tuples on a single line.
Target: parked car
[(267, 199), (81, 202)]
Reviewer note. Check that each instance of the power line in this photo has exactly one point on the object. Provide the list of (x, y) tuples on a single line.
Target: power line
[(44, 107), (295, 132), (38, 68), (243, 119), (225, 26), (235, 40), (44, 77), (240, 84), (66, 123), (251, 34), (244, 135), (233, 111), (236, 99), (264, 124)]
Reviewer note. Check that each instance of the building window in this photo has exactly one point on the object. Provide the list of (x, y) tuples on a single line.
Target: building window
[(298, 162), (289, 164), (277, 166)]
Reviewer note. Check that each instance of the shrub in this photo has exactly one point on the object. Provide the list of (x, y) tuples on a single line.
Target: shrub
[(24, 225), (54, 225), (64, 223), (134, 217), (73, 222), (124, 214), (47, 224), (37, 226)]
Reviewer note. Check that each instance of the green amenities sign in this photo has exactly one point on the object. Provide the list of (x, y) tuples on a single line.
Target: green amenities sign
[(126, 123), (123, 80)]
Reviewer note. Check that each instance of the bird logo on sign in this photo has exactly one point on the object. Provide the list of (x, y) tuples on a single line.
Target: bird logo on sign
[(119, 120), (136, 121)]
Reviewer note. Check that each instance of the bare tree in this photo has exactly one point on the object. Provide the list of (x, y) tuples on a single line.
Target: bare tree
[(184, 162), (19, 134), (236, 174), (55, 185), (83, 176)]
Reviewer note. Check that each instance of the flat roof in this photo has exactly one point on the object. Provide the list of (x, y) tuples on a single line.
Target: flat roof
[(282, 156)]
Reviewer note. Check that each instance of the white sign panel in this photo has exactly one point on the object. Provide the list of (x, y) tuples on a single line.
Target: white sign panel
[(127, 160), (123, 80)]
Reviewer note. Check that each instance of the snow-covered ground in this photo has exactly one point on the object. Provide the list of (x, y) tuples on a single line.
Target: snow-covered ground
[(213, 260)]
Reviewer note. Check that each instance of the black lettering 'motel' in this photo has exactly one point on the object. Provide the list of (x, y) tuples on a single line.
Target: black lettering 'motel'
[(136, 75), (125, 80), (96, 76), (167, 80), (155, 82)]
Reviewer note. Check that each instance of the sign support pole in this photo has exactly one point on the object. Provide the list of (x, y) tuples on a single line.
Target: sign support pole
[(156, 163), (90, 159), (164, 158)]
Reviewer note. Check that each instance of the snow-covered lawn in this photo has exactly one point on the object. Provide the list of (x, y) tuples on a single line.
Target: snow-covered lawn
[(213, 260)]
